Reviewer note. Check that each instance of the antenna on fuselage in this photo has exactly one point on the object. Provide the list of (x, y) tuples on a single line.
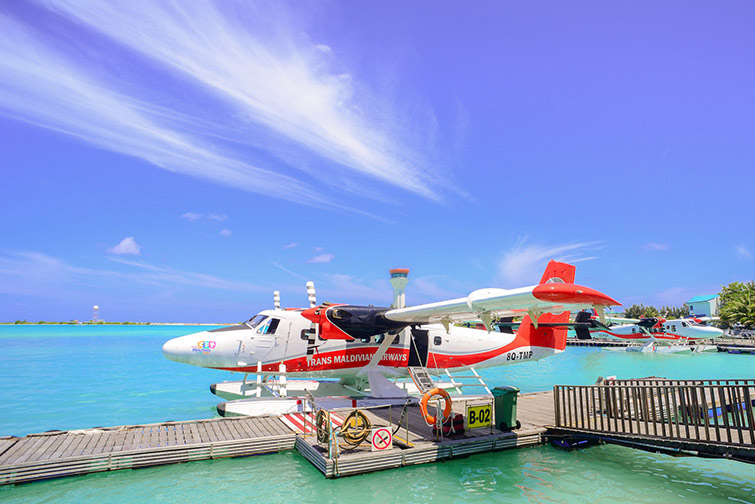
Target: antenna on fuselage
[(277, 300), (311, 294)]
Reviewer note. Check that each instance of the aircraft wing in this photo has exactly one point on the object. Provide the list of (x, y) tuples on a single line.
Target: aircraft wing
[(552, 295), (622, 320)]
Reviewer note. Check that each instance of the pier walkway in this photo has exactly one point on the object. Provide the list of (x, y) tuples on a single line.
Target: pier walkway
[(56, 454), (709, 418)]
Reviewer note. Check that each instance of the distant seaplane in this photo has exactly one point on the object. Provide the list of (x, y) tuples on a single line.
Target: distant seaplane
[(672, 335), (363, 346)]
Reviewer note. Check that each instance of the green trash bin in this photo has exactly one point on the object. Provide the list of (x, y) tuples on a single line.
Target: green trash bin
[(504, 400)]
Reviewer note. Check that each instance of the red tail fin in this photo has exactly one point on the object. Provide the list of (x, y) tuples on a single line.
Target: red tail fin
[(560, 270), (544, 336)]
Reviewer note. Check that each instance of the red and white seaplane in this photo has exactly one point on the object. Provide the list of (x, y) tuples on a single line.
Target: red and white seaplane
[(652, 334), (367, 348)]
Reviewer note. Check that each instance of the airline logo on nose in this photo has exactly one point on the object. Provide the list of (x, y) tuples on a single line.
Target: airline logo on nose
[(204, 346)]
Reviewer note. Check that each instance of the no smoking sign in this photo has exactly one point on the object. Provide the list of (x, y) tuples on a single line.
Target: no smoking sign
[(382, 439)]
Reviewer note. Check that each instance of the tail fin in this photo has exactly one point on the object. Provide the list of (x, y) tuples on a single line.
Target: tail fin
[(546, 336), (560, 270)]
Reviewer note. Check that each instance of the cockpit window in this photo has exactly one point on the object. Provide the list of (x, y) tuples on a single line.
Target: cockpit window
[(255, 321), (269, 326)]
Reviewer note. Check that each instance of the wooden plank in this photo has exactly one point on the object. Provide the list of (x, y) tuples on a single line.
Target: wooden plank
[(13, 450), (50, 448), (29, 449), (246, 428), (231, 426), (105, 438), (225, 430), (75, 448), (32, 452)]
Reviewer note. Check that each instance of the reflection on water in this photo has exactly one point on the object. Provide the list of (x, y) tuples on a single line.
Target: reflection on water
[(601, 474)]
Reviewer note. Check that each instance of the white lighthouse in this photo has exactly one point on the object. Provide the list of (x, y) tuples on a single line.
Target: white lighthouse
[(399, 278)]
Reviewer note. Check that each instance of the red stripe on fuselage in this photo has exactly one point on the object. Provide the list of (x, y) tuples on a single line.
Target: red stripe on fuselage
[(395, 357)]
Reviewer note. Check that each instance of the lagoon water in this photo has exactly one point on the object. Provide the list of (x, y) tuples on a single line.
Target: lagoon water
[(69, 377)]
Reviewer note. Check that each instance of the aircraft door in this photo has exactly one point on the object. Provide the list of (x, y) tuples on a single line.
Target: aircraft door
[(418, 347)]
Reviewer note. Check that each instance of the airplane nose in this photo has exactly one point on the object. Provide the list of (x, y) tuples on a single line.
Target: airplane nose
[(174, 349)]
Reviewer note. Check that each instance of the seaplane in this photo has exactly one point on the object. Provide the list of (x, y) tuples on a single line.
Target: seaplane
[(354, 356), (651, 334)]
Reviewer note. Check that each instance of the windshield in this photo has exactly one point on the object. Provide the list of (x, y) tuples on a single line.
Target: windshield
[(255, 321)]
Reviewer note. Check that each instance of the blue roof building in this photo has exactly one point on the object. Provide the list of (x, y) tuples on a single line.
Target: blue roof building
[(704, 306)]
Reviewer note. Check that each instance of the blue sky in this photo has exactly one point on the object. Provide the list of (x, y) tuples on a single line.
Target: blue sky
[(180, 161)]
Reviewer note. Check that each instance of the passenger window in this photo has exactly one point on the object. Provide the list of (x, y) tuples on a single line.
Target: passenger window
[(269, 327), (634, 330), (379, 338), (397, 340), (437, 340), (365, 340), (305, 334), (684, 324)]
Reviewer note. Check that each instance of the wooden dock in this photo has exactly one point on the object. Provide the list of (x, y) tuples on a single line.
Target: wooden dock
[(709, 418), (535, 411), (56, 454), (706, 418)]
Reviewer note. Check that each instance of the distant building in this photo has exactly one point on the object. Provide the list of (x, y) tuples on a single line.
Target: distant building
[(704, 306)]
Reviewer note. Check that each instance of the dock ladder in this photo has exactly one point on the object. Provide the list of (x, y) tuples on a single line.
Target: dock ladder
[(476, 381), (421, 378)]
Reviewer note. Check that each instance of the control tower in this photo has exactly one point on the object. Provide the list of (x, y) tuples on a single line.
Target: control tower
[(399, 278)]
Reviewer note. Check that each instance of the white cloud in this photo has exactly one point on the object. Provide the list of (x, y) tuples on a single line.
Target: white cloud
[(322, 258), (524, 263), (191, 216), (290, 245), (217, 217), (37, 274), (743, 252), (225, 232), (655, 247), (268, 86), (127, 246)]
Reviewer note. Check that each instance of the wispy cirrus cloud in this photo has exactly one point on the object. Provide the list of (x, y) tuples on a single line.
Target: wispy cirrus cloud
[(279, 114), (655, 247), (322, 258), (525, 262), (36, 274), (742, 251)]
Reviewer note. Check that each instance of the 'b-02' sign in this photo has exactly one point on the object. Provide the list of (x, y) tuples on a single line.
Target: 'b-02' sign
[(479, 416)]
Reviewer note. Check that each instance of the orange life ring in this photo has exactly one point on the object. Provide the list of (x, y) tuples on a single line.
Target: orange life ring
[(430, 419)]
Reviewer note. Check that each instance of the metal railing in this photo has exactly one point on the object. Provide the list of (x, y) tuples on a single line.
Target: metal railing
[(709, 411)]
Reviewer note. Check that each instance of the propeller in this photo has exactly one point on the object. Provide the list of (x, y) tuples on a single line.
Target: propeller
[(311, 294)]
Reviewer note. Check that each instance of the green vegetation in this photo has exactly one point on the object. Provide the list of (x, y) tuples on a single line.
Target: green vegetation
[(668, 312), (738, 304)]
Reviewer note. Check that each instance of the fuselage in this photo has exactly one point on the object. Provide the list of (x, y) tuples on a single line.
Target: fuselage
[(669, 330), (275, 337)]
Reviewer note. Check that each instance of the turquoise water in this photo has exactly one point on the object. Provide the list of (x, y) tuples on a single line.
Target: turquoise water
[(83, 376)]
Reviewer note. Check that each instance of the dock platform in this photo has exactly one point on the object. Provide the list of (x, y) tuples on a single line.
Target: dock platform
[(57, 454), (535, 411)]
